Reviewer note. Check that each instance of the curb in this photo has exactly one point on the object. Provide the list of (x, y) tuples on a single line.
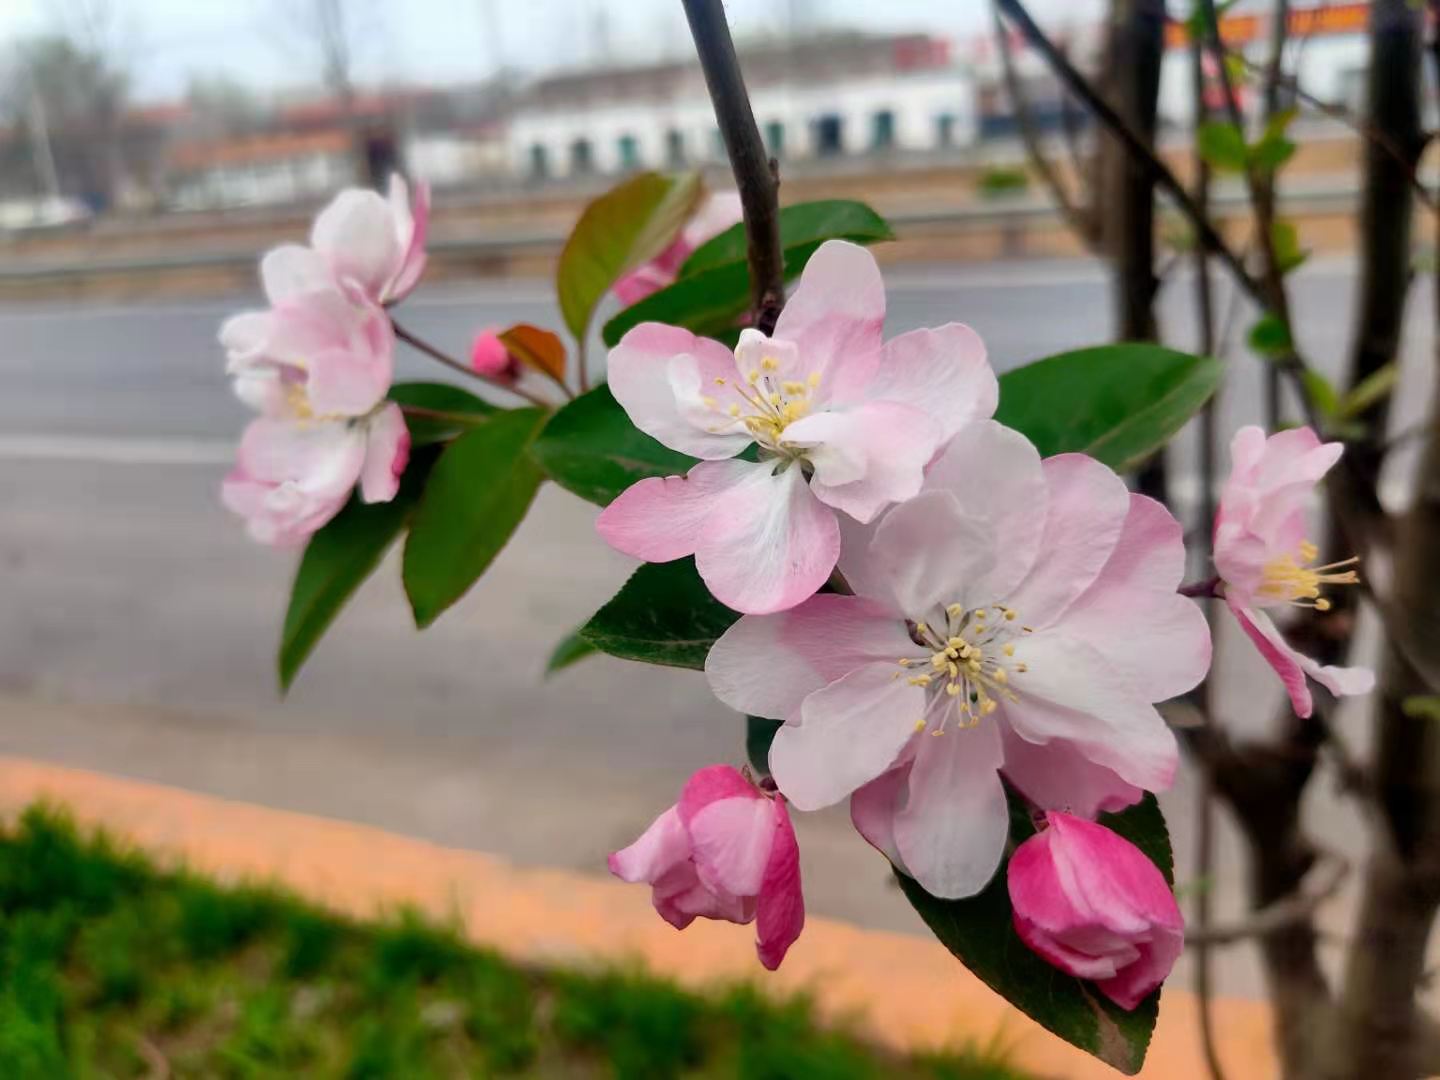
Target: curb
[(905, 991)]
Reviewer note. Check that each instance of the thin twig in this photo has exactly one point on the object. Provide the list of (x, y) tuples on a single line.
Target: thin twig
[(755, 172), (582, 365), (464, 369), (422, 413), (1299, 907)]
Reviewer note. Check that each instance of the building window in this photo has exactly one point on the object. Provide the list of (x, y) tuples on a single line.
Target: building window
[(539, 162), (582, 158), (882, 130), (829, 135), (945, 130), (775, 138), (629, 148), (675, 148)]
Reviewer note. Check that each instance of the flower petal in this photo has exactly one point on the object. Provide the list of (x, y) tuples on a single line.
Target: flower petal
[(780, 909), (413, 225), (955, 821), (1071, 692), (766, 665), (1132, 614), (835, 316), (1085, 513), (731, 840), (867, 457), (1057, 775), (291, 271), (929, 553), (640, 377), (661, 518), (659, 848), (356, 233), (873, 808), (942, 372), (1288, 663), (387, 451), (768, 543), (848, 733)]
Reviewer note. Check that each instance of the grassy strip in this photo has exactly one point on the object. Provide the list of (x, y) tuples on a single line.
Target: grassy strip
[(112, 967)]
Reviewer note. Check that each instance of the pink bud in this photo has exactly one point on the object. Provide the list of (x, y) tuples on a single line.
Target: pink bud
[(725, 851), (1092, 904), (489, 357)]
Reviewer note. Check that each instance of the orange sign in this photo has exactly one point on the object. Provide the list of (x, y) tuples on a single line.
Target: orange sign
[(1303, 22)]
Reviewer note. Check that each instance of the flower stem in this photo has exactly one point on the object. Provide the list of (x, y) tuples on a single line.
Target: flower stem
[(449, 361), (1209, 587), (420, 412)]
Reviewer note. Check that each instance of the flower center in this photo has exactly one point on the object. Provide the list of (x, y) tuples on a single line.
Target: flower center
[(970, 665), (1287, 581), (298, 402), (763, 401)]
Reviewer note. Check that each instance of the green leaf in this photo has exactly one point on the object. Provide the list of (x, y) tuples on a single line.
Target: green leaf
[(464, 409), (591, 448), (801, 224), (628, 225), (1118, 403), (1271, 152), (759, 734), (1286, 241), (980, 932), (478, 493), (337, 559), (663, 615), (1373, 388), (1222, 145), (1270, 337), (1321, 392), (711, 299), (571, 649), (1421, 707)]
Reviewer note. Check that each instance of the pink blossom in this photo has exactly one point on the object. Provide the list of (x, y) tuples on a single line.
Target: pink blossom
[(375, 244), (1265, 560), (1091, 903), (1017, 617), (842, 420), (720, 211), (490, 358), (726, 851)]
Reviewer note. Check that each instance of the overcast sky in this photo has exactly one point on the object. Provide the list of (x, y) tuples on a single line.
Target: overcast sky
[(440, 41)]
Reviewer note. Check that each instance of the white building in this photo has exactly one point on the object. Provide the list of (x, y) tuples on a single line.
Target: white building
[(842, 94)]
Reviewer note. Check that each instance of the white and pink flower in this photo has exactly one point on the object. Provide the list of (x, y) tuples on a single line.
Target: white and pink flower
[(1264, 559), (1017, 617), (725, 851), (1091, 903), (374, 243), (716, 214), (843, 421)]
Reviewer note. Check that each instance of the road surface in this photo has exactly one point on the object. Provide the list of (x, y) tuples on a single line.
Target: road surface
[(138, 625)]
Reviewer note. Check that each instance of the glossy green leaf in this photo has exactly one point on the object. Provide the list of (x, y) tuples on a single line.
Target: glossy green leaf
[(478, 493), (759, 734), (980, 932), (463, 410), (590, 448), (1222, 146), (338, 558), (800, 225), (1270, 336), (1118, 403), (663, 615), (571, 649), (628, 225)]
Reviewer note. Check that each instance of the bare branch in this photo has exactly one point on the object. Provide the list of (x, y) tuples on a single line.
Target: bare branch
[(1297, 908)]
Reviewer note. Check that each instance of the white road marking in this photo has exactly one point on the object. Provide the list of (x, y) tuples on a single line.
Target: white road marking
[(116, 450)]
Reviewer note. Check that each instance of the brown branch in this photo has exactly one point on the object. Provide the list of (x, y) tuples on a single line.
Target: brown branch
[(1297, 908), (755, 172)]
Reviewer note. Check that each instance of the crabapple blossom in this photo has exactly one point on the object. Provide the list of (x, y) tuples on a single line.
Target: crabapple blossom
[(842, 421), (719, 211), (726, 851), (1264, 559), (376, 244), (1092, 904), (490, 357), (1016, 617)]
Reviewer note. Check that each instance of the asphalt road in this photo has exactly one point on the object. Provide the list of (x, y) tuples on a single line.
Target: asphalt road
[(138, 626)]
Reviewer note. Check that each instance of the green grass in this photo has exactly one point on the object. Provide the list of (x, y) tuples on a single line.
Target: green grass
[(112, 967)]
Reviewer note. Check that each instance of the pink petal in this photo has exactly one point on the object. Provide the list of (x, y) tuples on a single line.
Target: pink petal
[(1071, 692), (711, 784), (954, 824), (413, 220), (868, 457), (873, 808), (848, 734), (1340, 681), (942, 372), (835, 316), (639, 283), (768, 543), (356, 234), (717, 213), (1058, 776), (1132, 614), (658, 850), (289, 480), (648, 366), (661, 518), (780, 913), (766, 665), (929, 553), (1287, 662), (387, 451), (1086, 512), (290, 271), (731, 841)]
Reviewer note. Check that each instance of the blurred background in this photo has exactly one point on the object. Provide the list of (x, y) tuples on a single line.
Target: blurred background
[(150, 150)]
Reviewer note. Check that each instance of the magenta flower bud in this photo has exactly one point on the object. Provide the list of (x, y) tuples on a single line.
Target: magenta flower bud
[(1092, 904), (489, 357)]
